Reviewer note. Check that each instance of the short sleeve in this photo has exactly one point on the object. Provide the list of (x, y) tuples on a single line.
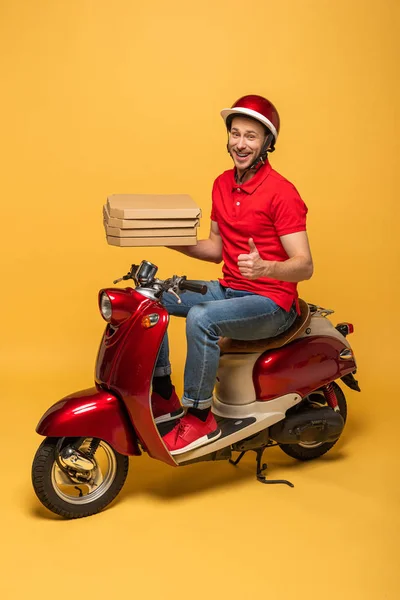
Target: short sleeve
[(289, 212), (213, 215)]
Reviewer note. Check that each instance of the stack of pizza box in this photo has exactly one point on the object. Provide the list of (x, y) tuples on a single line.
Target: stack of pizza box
[(151, 220)]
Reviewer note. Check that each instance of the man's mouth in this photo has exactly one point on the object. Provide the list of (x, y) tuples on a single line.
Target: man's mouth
[(242, 155)]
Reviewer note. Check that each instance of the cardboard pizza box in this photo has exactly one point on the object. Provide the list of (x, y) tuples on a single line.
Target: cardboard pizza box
[(152, 206), (166, 232), (147, 223), (152, 241)]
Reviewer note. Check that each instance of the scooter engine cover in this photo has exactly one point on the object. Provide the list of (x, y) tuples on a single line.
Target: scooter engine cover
[(308, 425)]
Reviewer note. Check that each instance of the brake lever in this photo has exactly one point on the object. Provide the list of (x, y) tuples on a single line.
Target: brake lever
[(171, 291)]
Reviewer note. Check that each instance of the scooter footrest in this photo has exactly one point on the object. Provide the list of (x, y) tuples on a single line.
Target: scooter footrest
[(229, 426)]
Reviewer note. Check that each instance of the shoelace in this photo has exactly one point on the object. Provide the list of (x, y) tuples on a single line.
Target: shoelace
[(181, 428)]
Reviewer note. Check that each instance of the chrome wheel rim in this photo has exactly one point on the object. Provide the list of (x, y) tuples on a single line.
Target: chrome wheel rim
[(101, 477)]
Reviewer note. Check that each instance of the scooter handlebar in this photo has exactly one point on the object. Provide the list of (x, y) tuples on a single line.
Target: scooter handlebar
[(192, 286)]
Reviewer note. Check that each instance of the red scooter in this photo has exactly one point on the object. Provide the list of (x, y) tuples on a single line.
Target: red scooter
[(280, 391)]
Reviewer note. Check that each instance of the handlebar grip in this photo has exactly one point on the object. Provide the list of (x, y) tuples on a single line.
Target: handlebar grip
[(192, 286)]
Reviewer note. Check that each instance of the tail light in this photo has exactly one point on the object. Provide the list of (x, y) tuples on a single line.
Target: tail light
[(345, 328)]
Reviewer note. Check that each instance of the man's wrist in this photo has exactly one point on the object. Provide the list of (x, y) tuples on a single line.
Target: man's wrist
[(269, 268)]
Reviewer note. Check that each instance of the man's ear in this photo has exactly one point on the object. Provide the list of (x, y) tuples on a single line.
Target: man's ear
[(270, 141)]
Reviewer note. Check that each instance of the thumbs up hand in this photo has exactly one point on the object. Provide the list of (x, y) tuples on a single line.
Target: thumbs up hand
[(251, 265), (253, 247)]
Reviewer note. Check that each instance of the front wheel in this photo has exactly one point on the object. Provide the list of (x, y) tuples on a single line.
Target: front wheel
[(310, 450), (75, 492)]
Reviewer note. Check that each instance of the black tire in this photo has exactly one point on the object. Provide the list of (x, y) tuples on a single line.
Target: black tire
[(300, 452), (43, 480)]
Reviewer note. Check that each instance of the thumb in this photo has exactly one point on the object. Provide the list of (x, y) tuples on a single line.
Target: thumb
[(253, 247)]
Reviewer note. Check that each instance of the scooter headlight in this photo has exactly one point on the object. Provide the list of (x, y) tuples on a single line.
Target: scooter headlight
[(105, 307)]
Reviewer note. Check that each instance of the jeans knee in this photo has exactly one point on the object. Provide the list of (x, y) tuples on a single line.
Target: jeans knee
[(199, 320), (197, 316)]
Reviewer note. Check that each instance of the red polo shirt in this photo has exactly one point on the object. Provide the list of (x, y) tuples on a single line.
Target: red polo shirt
[(264, 208)]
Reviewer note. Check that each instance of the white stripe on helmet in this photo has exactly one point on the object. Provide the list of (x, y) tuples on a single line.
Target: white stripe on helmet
[(251, 113)]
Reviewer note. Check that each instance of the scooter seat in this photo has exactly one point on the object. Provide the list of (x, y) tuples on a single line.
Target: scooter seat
[(230, 346)]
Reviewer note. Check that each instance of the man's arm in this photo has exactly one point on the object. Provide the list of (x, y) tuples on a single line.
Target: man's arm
[(298, 267), (209, 250)]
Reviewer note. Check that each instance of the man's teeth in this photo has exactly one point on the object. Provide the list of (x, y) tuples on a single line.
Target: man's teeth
[(241, 155)]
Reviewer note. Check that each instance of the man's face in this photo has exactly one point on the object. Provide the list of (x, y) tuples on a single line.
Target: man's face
[(246, 139)]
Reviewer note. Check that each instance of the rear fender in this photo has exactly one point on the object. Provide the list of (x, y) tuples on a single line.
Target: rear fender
[(91, 413)]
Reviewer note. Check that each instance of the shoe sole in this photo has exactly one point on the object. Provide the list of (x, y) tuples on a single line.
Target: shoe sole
[(170, 416), (206, 439)]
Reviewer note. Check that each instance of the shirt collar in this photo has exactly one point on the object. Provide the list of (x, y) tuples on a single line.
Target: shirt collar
[(252, 184)]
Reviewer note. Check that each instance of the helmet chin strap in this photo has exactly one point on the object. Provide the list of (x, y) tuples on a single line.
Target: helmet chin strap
[(261, 159)]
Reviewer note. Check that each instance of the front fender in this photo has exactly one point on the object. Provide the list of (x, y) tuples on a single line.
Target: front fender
[(91, 413)]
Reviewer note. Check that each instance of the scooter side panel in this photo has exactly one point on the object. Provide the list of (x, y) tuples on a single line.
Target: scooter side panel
[(128, 370), (301, 367), (91, 413)]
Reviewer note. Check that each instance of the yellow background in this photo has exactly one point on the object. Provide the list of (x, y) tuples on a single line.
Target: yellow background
[(115, 97)]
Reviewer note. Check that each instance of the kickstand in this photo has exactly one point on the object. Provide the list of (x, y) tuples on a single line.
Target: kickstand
[(260, 468), (237, 461)]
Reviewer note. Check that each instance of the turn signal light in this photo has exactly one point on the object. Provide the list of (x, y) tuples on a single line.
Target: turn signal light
[(150, 320)]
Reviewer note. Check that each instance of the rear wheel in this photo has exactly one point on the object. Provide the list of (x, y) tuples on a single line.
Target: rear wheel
[(73, 492), (310, 450)]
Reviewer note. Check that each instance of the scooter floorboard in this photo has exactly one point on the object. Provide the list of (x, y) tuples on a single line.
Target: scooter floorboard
[(227, 426)]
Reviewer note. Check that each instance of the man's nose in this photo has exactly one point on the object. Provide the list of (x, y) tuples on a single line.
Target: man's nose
[(241, 142)]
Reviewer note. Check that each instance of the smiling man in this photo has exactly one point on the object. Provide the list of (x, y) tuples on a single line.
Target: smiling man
[(258, 230)]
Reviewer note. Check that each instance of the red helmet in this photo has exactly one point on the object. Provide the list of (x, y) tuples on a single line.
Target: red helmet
[(258, 108)]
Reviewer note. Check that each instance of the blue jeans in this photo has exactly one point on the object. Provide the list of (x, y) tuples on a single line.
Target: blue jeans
[(221, 312)]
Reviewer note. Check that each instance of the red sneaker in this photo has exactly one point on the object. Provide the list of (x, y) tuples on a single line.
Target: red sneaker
[(166, 410), (190, 432)]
